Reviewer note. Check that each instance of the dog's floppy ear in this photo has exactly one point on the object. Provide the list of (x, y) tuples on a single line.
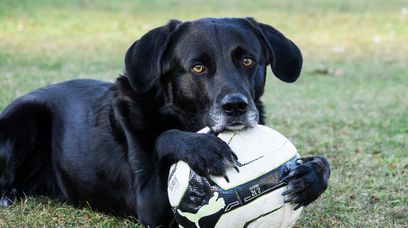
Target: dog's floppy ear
[(143, 58), (283, 55)]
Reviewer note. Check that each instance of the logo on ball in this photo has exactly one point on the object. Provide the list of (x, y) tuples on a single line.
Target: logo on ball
[(214, 205)]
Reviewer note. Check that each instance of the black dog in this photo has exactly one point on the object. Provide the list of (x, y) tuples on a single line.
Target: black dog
[(111, 144)]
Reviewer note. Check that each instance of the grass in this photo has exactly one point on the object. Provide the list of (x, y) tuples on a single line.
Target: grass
[(350, 105)]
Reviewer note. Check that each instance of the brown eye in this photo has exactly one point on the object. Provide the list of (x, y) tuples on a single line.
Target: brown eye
[(248, 62), (199, 69)]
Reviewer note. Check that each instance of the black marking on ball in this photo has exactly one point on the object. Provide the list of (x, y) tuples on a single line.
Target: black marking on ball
[(253, 220), (229, 141), (239, 164)]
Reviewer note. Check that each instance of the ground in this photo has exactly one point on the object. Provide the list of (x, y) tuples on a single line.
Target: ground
[(350, 104)]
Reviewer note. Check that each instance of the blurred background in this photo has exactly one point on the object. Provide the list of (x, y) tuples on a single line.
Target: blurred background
[(350, 104)]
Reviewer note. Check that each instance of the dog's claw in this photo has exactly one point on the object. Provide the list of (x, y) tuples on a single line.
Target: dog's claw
[(236, 169), (288, 200), (226, 178), (285, 178), (210, 181), (235, 156), (298, 206), (286, 192)]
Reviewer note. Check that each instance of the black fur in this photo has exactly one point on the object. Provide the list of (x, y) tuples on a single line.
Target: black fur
[(111, 144)]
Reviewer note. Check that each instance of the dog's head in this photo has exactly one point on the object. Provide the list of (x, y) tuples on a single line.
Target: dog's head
[(212, 70)]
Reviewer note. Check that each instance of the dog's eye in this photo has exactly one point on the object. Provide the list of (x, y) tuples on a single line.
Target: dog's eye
[(248, 62), (199, 69)]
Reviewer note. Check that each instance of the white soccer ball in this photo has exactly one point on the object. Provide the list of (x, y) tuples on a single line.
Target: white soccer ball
[(251, 198)]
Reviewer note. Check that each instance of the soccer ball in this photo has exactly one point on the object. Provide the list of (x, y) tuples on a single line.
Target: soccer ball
[(251, 198)]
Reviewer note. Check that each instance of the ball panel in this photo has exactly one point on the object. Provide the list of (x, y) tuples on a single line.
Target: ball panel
[(290, 216), (259, 151), (266, 211), (204, 130), (178, 182)]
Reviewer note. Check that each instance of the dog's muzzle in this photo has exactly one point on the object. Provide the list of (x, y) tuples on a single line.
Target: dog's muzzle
[(235, 112)]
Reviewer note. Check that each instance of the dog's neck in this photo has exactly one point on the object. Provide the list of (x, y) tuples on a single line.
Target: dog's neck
[(152, 106)]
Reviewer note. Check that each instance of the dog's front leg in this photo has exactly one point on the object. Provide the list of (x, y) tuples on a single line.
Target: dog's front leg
[(204, 153)]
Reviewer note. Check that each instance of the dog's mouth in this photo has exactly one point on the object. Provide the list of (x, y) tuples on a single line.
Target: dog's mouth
[(219, 121), (236, 125)]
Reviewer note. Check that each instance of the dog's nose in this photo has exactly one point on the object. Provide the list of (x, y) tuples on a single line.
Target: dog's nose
[(235, 104)]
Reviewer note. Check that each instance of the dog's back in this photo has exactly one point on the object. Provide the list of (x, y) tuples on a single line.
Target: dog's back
[(31, 130)]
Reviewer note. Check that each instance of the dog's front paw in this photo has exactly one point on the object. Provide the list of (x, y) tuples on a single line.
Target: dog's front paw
[(307, 181), (208, 155)]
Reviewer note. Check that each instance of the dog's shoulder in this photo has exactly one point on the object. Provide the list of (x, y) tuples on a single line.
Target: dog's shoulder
[(135, 111)]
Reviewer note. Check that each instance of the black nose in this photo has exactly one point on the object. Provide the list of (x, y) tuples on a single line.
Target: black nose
[(235, 104)]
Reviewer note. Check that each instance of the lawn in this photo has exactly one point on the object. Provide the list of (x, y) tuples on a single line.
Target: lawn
[(350, 104)]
